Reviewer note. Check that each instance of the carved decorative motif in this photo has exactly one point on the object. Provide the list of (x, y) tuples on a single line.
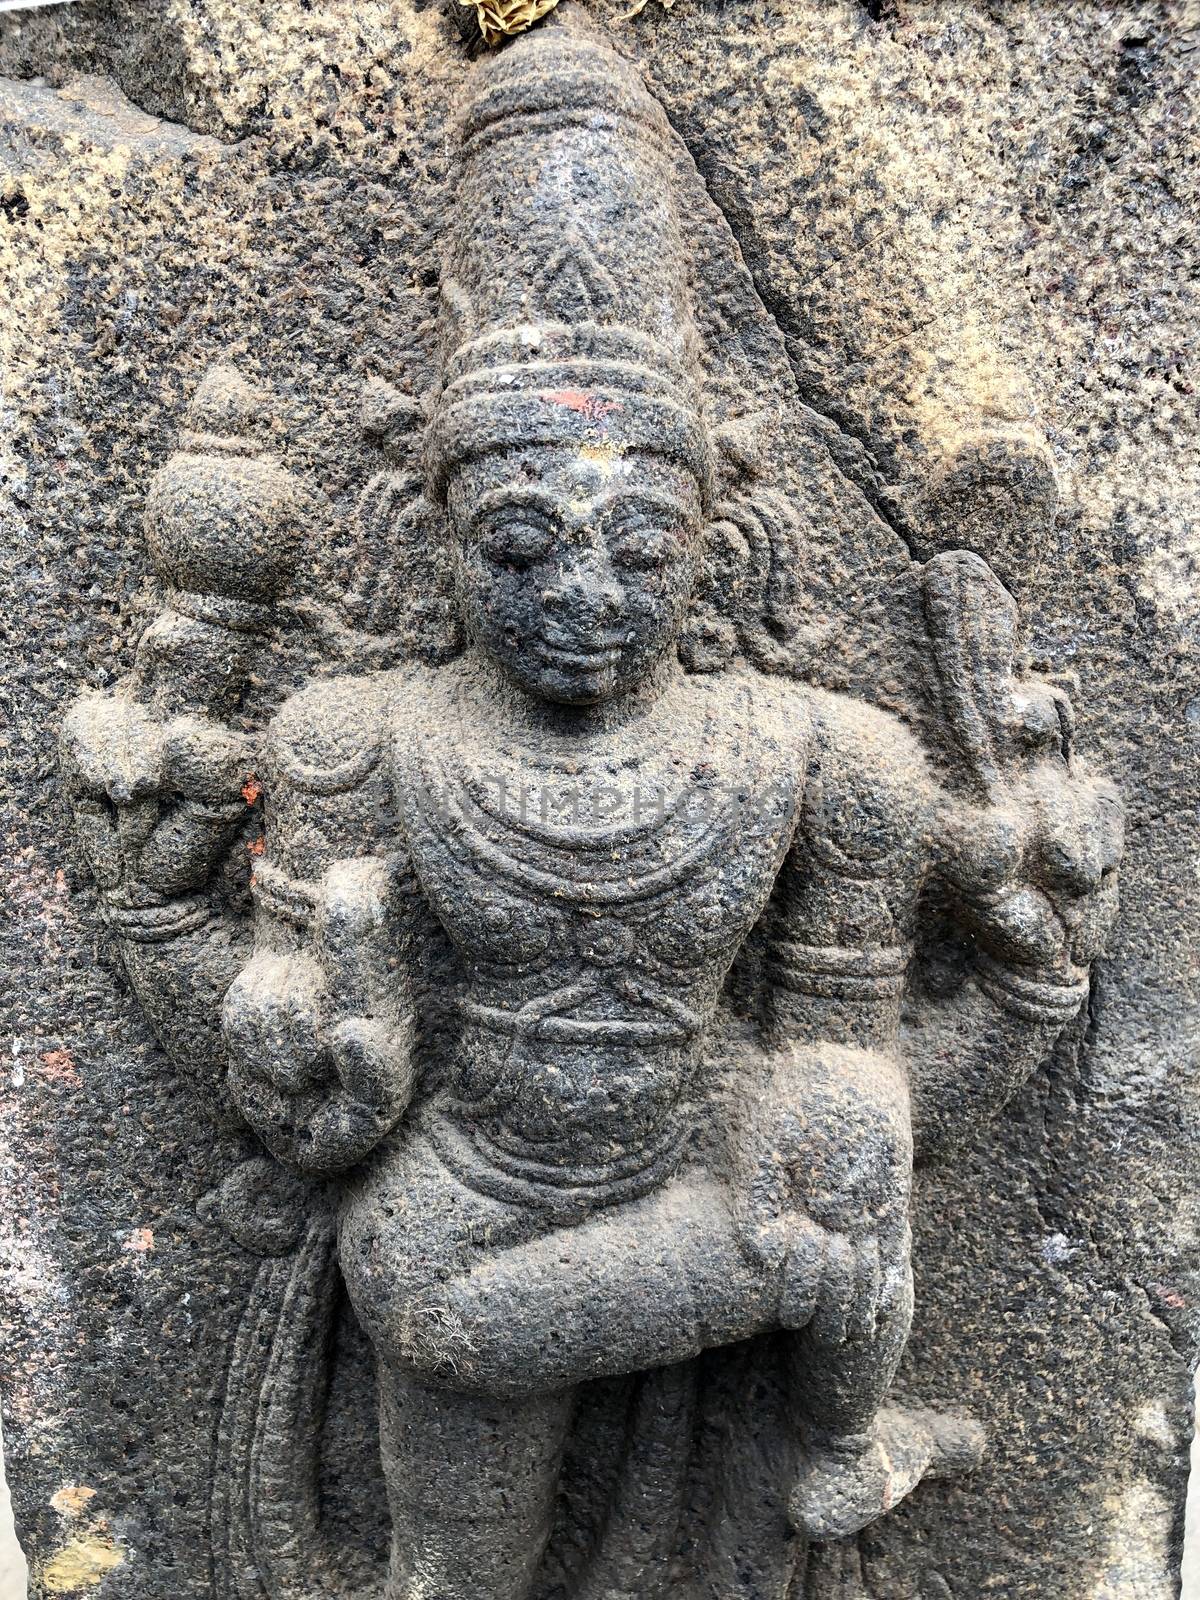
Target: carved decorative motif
[(579, 1014)]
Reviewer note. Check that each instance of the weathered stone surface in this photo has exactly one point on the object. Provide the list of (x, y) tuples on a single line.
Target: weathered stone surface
[(970, 235)]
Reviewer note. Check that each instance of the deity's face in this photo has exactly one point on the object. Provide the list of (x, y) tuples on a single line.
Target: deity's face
[(575, 570)]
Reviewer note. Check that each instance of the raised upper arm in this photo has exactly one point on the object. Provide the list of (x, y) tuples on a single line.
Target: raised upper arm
[(847, 898), (334, 876), (327, 790)]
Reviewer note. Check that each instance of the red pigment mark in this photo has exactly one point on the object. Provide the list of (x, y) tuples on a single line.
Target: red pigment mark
[(588, 405), (257, 846), (58, 1066), (1169, 1297), (140, 1241), (251, 790)]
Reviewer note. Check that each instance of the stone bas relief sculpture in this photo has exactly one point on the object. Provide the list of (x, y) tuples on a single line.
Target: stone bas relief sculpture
[(580, 1019)]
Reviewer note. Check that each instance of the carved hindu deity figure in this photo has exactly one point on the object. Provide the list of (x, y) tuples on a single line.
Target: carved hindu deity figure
[(580, 982)]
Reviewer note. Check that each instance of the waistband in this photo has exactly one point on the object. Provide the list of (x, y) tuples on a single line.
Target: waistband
[(488, 1168)]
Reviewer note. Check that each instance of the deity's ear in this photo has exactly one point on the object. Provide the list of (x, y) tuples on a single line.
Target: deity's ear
[(709, 640), (398, 600), (407, 598), (747, 596)]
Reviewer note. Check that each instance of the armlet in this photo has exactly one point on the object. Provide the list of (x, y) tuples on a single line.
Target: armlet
[(837, 972), (322, 780), (156, 924)]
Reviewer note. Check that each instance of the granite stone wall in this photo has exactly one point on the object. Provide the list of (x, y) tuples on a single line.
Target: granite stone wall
[(973, 226)]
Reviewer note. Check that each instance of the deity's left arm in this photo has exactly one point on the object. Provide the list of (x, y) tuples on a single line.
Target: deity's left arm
[(1028, 887), (827, 1136), (1025, 880), (1025, 849), (843, 918)]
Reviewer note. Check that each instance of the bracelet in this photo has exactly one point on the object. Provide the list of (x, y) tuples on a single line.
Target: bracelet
[(837, 972), (154, 924), (1031, 999), (198, 811), (222, 611), (289, 899)]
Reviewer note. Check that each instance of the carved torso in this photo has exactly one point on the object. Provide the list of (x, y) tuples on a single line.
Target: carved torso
[(597, 892)]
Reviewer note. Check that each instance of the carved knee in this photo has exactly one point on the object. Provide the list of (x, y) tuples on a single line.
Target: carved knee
[(834, 1134), (855, 1170), (408, 1236)]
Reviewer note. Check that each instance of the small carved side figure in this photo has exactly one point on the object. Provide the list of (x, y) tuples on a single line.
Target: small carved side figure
[(574, 1158)]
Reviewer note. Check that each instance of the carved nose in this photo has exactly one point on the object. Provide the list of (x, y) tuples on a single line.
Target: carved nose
[(585, 594)]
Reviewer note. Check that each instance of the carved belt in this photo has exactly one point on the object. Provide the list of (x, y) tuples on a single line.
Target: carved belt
[(575, 1030), (486, 1167)]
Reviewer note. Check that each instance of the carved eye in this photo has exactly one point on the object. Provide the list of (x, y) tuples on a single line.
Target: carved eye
[(516, 541), (644, 548)]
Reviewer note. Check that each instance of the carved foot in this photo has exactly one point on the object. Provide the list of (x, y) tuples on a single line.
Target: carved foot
[(852, 1479)]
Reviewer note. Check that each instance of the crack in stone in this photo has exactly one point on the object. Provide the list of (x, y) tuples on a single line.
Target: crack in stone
[(901, 338), (774, 308), (95, 106)]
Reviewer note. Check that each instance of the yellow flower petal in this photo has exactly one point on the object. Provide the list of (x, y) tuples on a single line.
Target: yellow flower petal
[(500, 18)]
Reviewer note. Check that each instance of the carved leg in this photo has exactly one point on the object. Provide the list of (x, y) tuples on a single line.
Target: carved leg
[(852, 1165), (861, 1458), (645, 1284), (841, 1374), (478, 1297), (471, 1486)]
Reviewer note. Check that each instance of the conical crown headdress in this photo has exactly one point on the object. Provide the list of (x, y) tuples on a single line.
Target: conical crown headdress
[(565, 301)]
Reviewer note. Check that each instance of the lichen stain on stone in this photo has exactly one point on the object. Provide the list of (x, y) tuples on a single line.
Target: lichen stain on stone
[(72, 1498), (601, 453), (586, 404), (81, 1563), (59, 1067), (1152, 1422), (1138, 1564), (90, 1551)]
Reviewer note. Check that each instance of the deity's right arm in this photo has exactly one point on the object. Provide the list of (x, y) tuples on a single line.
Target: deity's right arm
[(319, 1024), (161, 803), (160, 769)]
